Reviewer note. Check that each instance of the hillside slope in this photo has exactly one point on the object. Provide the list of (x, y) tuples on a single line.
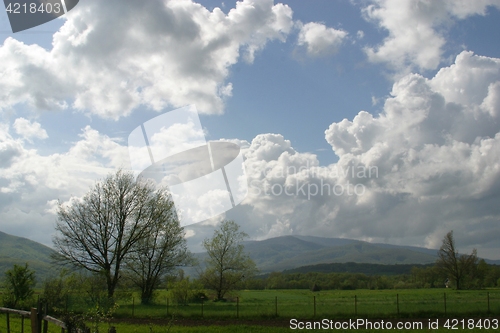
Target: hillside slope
[(288, 252), (19, 250)]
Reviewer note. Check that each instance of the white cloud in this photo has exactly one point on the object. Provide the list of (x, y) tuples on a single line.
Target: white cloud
[(31, 184), (154, 53), (427, 164), (467, 80), (10, 149), (320, 40), (415, 29), (29, 130)]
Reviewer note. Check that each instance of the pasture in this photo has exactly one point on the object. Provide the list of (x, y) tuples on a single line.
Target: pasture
[(271, 310), (405, 303)]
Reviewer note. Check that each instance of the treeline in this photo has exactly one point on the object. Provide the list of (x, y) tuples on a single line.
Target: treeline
[(353, 267), (484, 276)]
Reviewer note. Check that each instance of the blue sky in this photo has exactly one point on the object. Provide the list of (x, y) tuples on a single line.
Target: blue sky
[(276, 76)]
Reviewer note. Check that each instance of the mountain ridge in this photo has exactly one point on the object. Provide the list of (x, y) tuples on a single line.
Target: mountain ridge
[(16, 250), (272, 254), (311, 250)]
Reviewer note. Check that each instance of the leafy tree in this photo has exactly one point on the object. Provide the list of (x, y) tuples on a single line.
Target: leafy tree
[(226, 265), (457, 266), (18, 284), (98, 232), (276, 280), (159, 253), (492, 276), (55, 292)]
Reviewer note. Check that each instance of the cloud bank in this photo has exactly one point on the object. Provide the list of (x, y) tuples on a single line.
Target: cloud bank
[(416, 29), (428, 163), (154, 53)]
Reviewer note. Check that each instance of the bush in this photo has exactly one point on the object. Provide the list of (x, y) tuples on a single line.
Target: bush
[(315, 287), (18, 286), (185, 291), (55, 294)]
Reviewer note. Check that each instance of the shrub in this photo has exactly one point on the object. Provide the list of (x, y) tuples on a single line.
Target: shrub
[(185, 291)]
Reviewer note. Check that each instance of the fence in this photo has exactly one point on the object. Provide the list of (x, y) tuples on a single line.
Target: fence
[(284, 304), (307, 304), (38, 319)]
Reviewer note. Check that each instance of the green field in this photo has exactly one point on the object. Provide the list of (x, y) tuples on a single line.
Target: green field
[(214, 327), (306, 304), (270, 310)]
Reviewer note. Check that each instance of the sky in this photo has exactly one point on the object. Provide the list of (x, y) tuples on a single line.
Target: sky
[(375, 120)]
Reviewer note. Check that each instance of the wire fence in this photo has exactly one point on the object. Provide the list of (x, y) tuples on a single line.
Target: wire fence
[(289, 304), (295, 304)]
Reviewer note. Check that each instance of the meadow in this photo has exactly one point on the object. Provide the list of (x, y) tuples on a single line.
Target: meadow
[(215, 327), (270, 310), (305, 304)]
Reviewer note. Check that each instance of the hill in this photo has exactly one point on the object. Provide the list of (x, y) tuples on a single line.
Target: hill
[(19, 250), (289, 252), (352, 267)]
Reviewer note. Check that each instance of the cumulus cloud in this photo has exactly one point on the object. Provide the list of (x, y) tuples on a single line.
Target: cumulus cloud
[(436, 146), (31, 184), (154, 53), (9, 148), (320, 40), (29, 130), (427, 164), (416, 29)]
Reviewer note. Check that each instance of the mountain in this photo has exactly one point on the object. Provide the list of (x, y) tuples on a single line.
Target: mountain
[(351, 267), (291, 252), (270, 255), (288, 252), (19, 250)]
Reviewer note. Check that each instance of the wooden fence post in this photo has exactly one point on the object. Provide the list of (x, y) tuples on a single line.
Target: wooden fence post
[(45, 323), (397, 303), (444, 303), (35, 328), (355, 305), (8, 322), (237, 307), (276, 306)]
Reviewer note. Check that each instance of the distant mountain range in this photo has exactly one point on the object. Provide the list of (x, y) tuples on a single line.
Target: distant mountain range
[(19, 250), (292, 253), (289, 252)]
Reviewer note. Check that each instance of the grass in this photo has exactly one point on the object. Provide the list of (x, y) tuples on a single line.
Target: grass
[(244, 328), (341, 304), (257, 310)]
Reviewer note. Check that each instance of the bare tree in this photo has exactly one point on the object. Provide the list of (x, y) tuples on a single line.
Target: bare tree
[(98, 232), (226, 265), (158, 254), (455, 265)]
